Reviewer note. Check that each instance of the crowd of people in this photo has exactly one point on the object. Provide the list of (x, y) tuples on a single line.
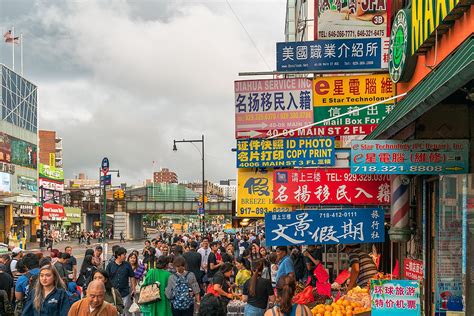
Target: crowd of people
[(192, 275)]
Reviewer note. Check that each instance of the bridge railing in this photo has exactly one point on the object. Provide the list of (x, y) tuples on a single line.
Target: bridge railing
[(177, 207)]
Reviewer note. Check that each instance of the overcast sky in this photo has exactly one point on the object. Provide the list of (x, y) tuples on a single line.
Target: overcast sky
[(122, 79)]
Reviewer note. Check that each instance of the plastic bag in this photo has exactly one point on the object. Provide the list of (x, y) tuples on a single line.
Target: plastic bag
[(134, 308)]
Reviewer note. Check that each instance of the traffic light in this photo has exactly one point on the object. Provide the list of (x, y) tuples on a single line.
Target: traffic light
[(119, 195)]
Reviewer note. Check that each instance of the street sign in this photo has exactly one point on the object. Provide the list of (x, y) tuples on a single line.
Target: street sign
[(106, 180), (201, 211), (348, 130), (105, 165)]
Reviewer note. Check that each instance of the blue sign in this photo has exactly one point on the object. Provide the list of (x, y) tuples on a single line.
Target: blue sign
[(106, 180), (395, 297), (200, 211), (288, 152), (410, 157), (105, 165), (336, 55), (314, 227)]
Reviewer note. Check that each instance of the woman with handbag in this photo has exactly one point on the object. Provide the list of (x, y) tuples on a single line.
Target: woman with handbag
[(112, 295), (152, 299)]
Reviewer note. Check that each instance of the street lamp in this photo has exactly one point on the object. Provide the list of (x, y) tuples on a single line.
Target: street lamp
[(203, 183)]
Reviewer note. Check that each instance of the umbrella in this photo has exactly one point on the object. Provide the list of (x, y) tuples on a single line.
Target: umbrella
[(229, 231)]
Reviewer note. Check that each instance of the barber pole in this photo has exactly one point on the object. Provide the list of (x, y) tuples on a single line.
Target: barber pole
[(400, 209)]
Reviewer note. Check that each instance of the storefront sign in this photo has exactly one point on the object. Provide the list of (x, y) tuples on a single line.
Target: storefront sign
[(352, 90), (395, 297), (24, 210), (52, 173), (255, 193), (5, 182), (350, 19), (339, 55), (345, 226), (73, 215), (364, 129), (27, 184), (410, 157), (53, 212), (298, 152), (371, 115), (51, 185), (7, 167), (52, 160), (330, 186), (273, 103), (412, 269)]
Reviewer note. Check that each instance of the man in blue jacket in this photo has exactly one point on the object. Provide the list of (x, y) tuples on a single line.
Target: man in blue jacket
[(122, 276)]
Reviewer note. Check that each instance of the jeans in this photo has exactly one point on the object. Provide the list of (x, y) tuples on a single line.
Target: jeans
[(183, 312), (253, 311), (127, 302)]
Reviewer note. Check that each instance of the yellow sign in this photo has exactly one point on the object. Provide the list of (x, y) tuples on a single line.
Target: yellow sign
[(352, 90), (255, 194), (52, 159)]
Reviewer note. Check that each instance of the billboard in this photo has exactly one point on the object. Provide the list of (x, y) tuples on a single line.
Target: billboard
[(298, 152), (53, 212), (338, 55), (330, 186), (325, 227), (27, 184), (313, 131), (410, 157), (23, 153), (255, 193), (272, 103), (336, 19), (51, 185), (50, 172), (5, 182)]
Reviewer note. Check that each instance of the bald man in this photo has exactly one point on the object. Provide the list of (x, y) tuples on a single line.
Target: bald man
[(93, 304)]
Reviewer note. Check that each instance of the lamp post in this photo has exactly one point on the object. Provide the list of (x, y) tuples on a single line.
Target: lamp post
[(102, 181), (201, 220)]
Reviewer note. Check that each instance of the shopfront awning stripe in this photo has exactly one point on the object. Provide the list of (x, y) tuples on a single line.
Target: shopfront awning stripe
[(453, 73)]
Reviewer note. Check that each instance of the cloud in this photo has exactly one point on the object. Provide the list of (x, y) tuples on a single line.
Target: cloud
[(124, 78)]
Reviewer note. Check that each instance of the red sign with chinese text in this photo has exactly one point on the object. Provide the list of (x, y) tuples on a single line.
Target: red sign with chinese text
[(412, 269), (53, 212), (330, 186)]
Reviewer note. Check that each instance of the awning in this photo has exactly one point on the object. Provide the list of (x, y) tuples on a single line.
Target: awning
[(453, 73)]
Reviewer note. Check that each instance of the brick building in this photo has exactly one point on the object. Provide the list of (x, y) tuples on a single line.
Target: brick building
[(165, 176), (50, 143)]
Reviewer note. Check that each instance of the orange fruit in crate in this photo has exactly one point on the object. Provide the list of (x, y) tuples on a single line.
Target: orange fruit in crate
[(346, 303), (328, 308), (321, 310), (327, 313), (349, 313)]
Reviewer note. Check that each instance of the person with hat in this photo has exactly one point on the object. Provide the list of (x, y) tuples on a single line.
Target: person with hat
[(362, 266), (17, 254)]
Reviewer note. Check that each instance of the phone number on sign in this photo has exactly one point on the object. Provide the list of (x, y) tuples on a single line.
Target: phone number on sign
[(261, 210), (337, 214), (422, 168)]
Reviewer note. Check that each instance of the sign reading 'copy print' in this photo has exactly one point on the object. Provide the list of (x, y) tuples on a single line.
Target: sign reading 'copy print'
[(410, 157), (395, 297), (330, 186), (274, 103), (339, 55), (347, 226), (300, 152), (255, 194)]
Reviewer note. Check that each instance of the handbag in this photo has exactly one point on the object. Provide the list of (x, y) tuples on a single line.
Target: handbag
[(149, 293)]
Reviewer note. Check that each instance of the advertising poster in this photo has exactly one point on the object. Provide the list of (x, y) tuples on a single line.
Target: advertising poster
[(53, 212), (337, 55), (336, 19), (300, 152), (255, 193), (27, 184), (410, 157), (5, 148), (23, 153), (5, 182), (395, 297), (344, 226), (330, 186), (52, 173), (270, 104)]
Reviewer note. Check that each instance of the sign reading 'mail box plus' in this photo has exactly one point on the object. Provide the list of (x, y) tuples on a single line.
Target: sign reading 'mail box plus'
[(330, 186)]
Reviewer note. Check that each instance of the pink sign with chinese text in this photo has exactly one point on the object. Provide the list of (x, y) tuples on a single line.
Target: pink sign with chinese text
[(413, 269), (329, 186)]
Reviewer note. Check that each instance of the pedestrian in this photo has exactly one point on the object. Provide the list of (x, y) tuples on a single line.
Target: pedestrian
[(60, 266), (182, 289), (257, 292), (221, 284), (17, 254), (243, 273), (71, 264), (285, 265), (85, 274), (30, 263), (122, 276), (362, 266), (138, 268), (6, 260), (161, 275), (214, 261), (112, 295), (122, 237), (94, 304), (204, 251), (150, 260), (193, 261), (285, 290), (6, 282), (298, 264), (49, 296), (97, 258)]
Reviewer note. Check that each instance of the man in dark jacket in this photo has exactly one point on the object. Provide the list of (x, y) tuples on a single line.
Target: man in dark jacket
[(193, 261)]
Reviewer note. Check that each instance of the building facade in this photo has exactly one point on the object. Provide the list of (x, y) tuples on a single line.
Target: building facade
[(165, 176), (18, 157), (50, 149)]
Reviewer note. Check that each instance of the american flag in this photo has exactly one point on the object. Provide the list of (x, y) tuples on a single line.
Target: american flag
[(8, 37)]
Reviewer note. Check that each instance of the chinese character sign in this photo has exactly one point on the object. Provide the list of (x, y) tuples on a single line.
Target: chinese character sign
[(255, 194), (412, 269), (270, 104), (338, 55), (293, 152), (346, 226), (351, 19), (330, 186), (410, 157), (395, 297)]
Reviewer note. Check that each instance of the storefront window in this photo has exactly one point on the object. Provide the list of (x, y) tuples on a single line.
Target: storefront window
[(454, 252)]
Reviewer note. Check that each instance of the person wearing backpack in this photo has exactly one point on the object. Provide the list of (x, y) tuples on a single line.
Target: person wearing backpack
[(182, 289), (27, 281)]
